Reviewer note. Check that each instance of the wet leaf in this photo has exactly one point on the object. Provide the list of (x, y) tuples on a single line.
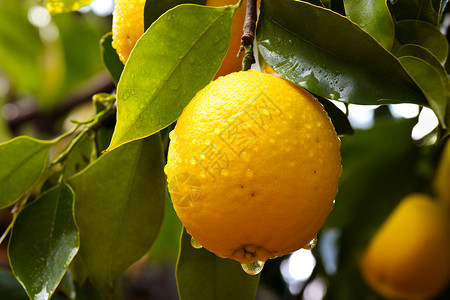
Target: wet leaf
[(189, 53), (110, 58), (331, 56), (22, 162), (60, 6), (44, 241), (155, 8), (203, 275), (119, 208), (372, 16), (423, 34), (432, 83)]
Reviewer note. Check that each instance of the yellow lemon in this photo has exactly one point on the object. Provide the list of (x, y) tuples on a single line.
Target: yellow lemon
[(128, 26), (232, 63), (409, 257), (253, 167)]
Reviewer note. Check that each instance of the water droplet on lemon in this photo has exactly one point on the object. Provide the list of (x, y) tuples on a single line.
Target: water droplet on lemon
[(195, 244), (253, 268), (311, 244)]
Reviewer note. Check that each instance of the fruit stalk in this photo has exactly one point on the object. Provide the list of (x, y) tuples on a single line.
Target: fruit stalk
[(249, 35)]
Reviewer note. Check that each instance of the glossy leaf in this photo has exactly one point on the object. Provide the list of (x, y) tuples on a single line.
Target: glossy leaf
[(119, 208), (372, 16), (422, 53), (430, 80), (155, 8), (425, 10), (423, 34), (60, 6), (22, 161), (340, 121), (331, 56), (110, 58), (44, 241), (159, 81), (202, 275)]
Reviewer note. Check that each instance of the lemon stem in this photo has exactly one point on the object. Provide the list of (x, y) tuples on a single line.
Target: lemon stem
[(249, 35)]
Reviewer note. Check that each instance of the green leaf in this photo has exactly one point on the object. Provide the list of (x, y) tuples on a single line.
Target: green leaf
[(61, 6), (379, 168), (331, 56), (167, 244), (22, 162), (425, 10), (202, 275), (44, 241), (79, 157), (155, 8), (158, 82), (372, 16), (432, 83), (110, 58), (10, 288), (391, 163), (119, 208), (422, 53), (423, 34), (340, 121)]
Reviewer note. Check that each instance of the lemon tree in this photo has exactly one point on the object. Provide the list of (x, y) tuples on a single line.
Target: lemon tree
[(192, 164)]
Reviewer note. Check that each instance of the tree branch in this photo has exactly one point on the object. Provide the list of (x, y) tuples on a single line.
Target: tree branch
[(47, 120), (249, 35)]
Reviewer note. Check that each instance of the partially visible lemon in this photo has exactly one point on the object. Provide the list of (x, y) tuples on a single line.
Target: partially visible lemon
[(409, 257), (231, 62), (128, 26), (253, 167)]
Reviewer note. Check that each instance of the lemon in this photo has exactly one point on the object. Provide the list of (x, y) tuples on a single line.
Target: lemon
[(253, 167), (128, 26), (231, 62), (409, 257)]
